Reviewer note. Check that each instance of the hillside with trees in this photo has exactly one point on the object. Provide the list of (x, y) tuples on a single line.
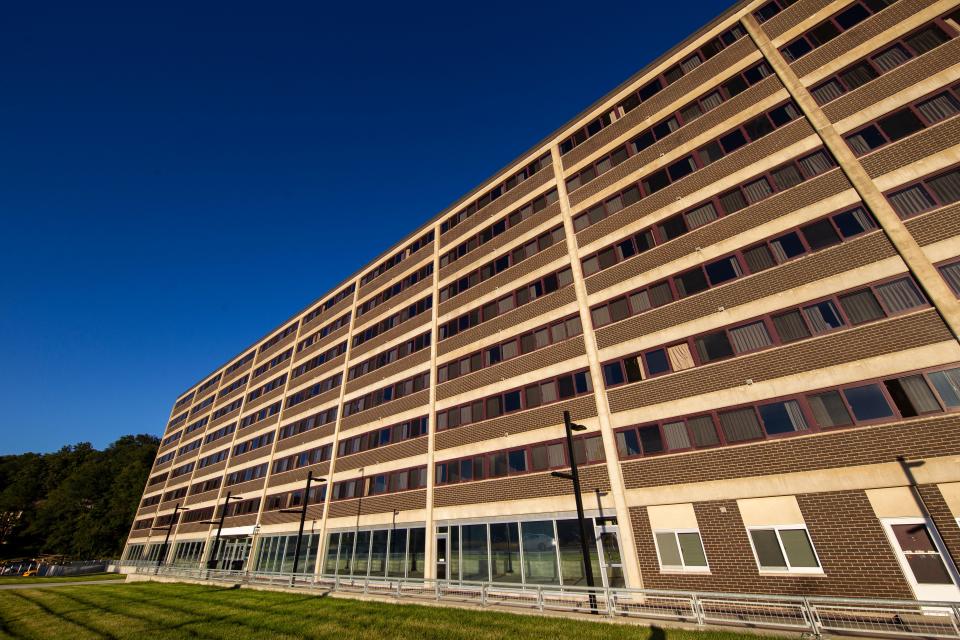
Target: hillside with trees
[(77, 502)]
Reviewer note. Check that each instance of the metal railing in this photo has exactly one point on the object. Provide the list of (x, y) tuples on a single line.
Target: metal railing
[(812, 615)]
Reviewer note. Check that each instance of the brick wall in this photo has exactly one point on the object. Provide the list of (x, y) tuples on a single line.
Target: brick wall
[(856, 557)]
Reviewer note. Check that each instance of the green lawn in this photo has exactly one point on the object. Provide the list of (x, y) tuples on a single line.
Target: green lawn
[(32, 579), (157, 611)]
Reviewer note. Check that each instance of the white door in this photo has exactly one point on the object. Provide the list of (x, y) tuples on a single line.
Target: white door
[(608, 546), (923, 558)]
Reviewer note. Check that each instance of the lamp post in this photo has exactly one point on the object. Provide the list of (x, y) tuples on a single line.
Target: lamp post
[(574, 476), (303, 517), (212, 562), (166, 539)]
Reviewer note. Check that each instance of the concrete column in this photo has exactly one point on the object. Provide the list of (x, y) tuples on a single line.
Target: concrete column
[(628, 547), (430, 551), (906, 245), (322, 547)]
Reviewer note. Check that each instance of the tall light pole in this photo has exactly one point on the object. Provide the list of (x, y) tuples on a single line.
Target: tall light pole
[(212, 562), (166, 539), (574, 476), (303, 517)]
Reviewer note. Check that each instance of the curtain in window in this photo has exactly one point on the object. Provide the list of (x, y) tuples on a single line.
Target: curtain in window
[(594, 449), (701, 216), (939, 108), (787, 177), (711, 101), (927, 39), (676, 435), (858, 75), (861, 306), (816, 163), (919, 393), (640, 301), (829, 410), (750, 337), (703, 431), (946, 187), (680, 357), (951, 273), (759, 258), (690, 64), (790, 326), (555, 456), (778, 251), (741, 424), (900, 295), (829, 91), (757, 190), (891, 58), (862, 218), (911, 201), (792, 408), (660, 294), (733, 201), (859, 144)]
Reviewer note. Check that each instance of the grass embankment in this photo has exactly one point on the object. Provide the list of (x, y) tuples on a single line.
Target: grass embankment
[(160, 611), (84, 578)]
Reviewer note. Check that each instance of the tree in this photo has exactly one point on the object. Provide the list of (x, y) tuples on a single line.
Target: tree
[(77, 501)]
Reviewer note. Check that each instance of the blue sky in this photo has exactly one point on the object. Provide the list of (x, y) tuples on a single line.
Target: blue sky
[(177, 178)]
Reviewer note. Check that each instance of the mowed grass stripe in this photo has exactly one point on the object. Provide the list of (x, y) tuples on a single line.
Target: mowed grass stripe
[(155, 611), (33, 619)]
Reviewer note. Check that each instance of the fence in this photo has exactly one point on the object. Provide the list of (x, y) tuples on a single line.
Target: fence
[(810, 615)]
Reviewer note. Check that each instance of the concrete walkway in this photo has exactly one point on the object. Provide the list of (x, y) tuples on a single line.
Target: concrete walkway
[(45, 585)]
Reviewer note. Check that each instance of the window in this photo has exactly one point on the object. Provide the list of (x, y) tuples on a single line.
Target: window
[(680, 550), (903, 122), (951, 273), (786, 548), (829, 28), (867, 402)]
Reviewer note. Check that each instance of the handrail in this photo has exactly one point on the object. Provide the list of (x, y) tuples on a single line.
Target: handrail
[(809, 614)]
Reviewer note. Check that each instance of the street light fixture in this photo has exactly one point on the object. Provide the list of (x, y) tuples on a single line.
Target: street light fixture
[(303, 517), (212, 563), (574, 476), (166, 539)]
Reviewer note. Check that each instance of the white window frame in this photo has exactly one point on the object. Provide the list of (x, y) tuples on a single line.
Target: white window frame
[(669, 568), (777, 528)]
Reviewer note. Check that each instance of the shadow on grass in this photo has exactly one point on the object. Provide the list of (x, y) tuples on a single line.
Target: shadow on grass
[(61, 615)]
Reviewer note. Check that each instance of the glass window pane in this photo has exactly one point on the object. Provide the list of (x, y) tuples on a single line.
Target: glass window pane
[(861, 306), (790, 326), (669, 549), (703, 431), (692, 548), (900, 295), (947, 384), (946, 187), (768, 551), (750, 337), (800, 553), (505, 552), (867, 402), (676, 436), (911, 201), (740, 424), (539, 553), (474, 552), (829, 410), (782, 417)]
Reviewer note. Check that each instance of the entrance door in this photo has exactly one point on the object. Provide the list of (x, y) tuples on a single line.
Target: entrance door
[(441, 556), (235, 552), (923, 559), (608, 545)]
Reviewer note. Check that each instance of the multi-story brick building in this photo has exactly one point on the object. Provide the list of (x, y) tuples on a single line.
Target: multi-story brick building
[(740, 270)]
